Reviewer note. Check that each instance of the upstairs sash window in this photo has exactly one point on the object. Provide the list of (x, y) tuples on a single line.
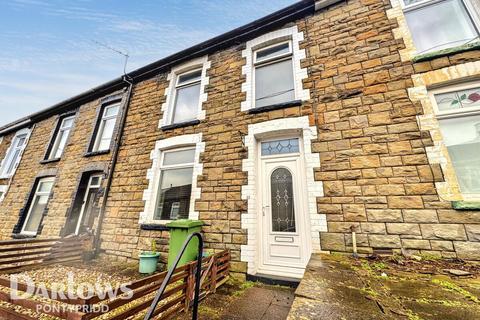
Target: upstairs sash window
[(106, 128), (61, 138), (187, 96), (274, 79), (13, 155), (440, 24)]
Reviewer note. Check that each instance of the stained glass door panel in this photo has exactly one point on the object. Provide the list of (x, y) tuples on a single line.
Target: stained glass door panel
[(282, 201)]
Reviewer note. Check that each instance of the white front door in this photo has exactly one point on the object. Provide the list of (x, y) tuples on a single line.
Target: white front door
[(285, 248)]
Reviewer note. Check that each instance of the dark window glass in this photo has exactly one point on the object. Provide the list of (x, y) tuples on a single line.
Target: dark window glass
[(283, 209), (174, 194)]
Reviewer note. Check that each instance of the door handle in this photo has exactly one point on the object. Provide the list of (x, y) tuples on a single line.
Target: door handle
[(263, 209)]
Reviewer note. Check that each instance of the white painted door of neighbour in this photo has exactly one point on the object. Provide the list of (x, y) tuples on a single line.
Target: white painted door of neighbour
[(284, 249)]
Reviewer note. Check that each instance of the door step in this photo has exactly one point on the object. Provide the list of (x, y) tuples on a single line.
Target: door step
[(274, 280)]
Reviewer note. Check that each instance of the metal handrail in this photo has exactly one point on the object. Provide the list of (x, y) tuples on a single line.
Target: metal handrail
[(170, 273)]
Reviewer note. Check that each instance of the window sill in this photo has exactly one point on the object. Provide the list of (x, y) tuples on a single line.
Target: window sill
[(154, 227), (180, 125), (96, 153), (445, 52), (50, 160), (23, 236), (466, 205), (294, 103)]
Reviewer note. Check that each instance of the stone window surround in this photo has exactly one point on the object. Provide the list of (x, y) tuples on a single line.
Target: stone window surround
[(318, 222), (448, 190), (403, 32), (19, 132), (170, 92), (299, 73), (153, 176)]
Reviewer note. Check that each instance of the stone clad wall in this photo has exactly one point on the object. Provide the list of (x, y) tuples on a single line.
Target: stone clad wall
[(374, 166), (374, 162), (67, 172), (376, 174), (220, 205)]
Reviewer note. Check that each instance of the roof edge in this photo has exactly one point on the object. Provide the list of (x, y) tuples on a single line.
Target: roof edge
[(238, 35)]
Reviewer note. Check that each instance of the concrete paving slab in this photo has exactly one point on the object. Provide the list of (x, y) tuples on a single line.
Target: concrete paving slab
[(340, 287), (261, 303)]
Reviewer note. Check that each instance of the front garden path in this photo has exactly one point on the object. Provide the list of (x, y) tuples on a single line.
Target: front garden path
[(247, 301)]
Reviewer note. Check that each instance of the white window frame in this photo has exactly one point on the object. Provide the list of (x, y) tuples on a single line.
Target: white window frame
[(171, 92), (56, 142), (178, 86), (425, 3), (7, 161), (150, 194), (3, 190), (277, 58), (457, 113), (101, 126), (163, 168), (35, 195), (272, 60), (265, 41)]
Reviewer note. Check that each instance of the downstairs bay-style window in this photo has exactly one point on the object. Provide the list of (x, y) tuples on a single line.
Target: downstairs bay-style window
[(14, 153), (105, 127), (441, 24), (274, 78), (60, 138), (458, 113), (175, 185), (37, 205)]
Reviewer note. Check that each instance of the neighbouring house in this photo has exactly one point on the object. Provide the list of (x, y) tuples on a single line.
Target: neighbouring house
[(284, 136)]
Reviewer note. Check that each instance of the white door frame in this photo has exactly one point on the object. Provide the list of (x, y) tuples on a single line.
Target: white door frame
[(85, 198), (303, 217)]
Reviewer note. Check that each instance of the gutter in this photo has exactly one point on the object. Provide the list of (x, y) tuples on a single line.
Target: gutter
[(19, 124), (116, 150), (322, 4), (225, 40)]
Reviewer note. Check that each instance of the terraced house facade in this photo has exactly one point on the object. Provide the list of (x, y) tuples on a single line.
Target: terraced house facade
[(284, 136)]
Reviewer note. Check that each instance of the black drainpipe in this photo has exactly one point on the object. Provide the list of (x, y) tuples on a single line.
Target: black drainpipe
[(118, 142)]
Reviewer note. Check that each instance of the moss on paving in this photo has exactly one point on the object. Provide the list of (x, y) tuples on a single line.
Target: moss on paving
[(454, 288), (391, 287)]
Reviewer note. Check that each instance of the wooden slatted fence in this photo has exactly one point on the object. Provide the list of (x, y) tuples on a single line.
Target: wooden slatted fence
[(20, 255), (137, 295)]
